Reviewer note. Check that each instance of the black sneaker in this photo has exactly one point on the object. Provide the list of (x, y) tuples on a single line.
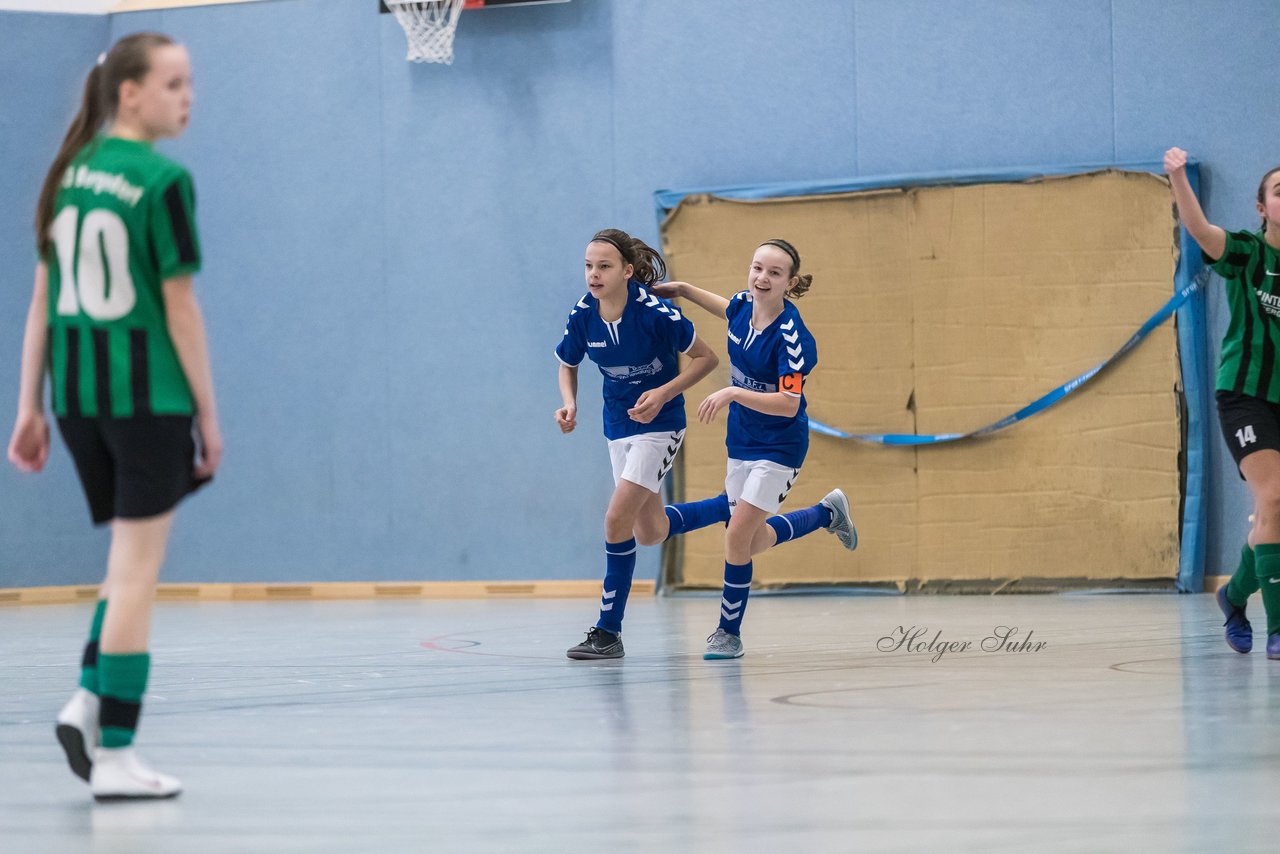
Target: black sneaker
[(599, 644)]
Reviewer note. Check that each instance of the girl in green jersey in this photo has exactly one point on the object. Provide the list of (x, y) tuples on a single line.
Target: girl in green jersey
[(114, 317), (1247, 388)]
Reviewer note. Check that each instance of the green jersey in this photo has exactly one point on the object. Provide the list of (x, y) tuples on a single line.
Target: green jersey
[(124, 221), (1252, 343)]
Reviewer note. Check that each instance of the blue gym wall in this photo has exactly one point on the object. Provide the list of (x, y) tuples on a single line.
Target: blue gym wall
[(391, 249)]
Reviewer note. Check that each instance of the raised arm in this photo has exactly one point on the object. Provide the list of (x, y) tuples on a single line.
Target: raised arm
[(713, 303), (1212, 238)]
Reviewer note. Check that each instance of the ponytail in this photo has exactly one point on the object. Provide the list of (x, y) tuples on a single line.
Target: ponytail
[(649, 268), (128, 59), (801, 287), (83, 128)]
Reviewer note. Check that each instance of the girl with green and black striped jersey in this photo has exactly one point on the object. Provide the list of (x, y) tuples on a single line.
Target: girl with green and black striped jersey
[(1248, 388), (115, 319)]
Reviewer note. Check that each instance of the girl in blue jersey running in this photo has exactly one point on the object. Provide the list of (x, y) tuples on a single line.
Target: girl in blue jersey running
[(770, 353), (634, 337)]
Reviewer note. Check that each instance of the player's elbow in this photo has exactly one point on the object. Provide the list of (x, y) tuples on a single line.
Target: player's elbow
[(791, 405)]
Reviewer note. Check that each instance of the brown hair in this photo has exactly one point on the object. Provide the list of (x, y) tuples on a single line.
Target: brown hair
[(1262, 191), (648, 264), (128, 59), (801, 287)]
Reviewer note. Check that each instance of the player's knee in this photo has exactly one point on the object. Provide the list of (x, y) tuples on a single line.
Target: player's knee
[(737, 543), (648, 535), (617, 523), (1266, 500)]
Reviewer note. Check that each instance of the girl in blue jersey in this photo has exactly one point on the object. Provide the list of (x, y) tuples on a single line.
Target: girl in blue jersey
[(634, 337), (770, 354)]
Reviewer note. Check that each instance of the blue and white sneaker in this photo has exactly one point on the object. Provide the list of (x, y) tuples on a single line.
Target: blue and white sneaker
[(721, 644), (841, 522), (1273, 646), (1239, 632)]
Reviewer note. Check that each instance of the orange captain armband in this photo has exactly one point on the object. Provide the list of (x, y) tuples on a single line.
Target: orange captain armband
[(792, 384)]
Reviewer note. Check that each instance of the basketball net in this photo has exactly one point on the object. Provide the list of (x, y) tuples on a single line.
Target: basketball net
[(429, 26)]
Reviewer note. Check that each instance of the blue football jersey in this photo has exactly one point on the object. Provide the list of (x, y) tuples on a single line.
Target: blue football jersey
[(635, 353), (759, 361)]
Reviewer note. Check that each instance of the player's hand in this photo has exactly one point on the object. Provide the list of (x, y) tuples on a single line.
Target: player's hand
[(29, 445), (667, 290), (647, 407), (714, 402), (1175, 160), (567, 418), (210, 451)]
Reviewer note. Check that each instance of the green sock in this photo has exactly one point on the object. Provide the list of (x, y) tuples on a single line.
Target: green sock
[(89, 663), (1268, 571), (123, 679), (1244, 583)]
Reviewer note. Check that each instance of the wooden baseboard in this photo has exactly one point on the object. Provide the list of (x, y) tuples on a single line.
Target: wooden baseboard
[(330, 590)]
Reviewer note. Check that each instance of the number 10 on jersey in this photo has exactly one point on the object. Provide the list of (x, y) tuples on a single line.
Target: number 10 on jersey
[(100, 284)]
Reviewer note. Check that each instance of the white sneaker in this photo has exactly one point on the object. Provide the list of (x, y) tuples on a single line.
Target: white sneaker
[(77, 731), (841, 522), (119, 775), (721, 644)]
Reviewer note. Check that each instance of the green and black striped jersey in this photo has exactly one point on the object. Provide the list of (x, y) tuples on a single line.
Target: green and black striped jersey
[(1252, 343), (124, 221)]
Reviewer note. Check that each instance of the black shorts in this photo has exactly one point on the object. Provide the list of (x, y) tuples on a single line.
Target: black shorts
[(132, 468), (1248, 424)]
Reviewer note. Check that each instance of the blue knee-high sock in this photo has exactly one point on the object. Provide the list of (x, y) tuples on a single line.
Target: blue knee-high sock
[(697, 514), (798, 523), (733, 603), (620, 565)]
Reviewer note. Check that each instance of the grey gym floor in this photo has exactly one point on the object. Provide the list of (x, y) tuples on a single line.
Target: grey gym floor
[(460, 726)]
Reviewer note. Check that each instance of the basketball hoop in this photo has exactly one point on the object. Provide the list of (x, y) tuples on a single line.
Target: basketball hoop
[(429, 26)]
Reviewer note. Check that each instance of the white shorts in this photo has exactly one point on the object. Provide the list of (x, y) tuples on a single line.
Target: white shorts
[(760, 483), (644, 459)]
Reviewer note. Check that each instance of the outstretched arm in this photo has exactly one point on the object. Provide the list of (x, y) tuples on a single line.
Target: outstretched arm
[(713, 303), (1212, 238)]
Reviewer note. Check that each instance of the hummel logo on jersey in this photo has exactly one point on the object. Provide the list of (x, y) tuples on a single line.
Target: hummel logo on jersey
[(597, 343), (735, 339)]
